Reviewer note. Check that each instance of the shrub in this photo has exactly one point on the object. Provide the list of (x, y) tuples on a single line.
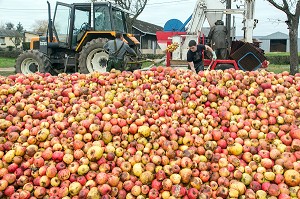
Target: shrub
[(153, 56), (10, 54), (279, 59), (26, 45)]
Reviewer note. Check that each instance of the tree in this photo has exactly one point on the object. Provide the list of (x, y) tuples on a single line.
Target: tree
[(20, 28), (135, 7), (40, 26), (292, 10), (9, 26), (16, 41)]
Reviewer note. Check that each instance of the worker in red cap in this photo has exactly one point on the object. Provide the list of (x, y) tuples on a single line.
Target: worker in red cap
[(217, 39)]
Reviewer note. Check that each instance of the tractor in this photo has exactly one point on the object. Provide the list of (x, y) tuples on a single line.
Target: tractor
[(75, 39)]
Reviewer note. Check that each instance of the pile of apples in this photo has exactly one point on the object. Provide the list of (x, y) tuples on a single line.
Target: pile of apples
[(161, 133)]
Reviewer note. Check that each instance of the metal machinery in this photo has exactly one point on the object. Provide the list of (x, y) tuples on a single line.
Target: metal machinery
[(75, 39), (210, 10)]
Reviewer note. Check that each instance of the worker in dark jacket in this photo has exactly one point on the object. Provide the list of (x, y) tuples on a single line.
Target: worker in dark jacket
[(195, 54), (117, 49), (218, 39)]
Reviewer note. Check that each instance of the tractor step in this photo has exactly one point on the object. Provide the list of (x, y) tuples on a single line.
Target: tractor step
[(69, 63)]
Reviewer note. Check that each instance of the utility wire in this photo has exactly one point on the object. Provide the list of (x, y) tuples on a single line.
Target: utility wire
[(45, 9)]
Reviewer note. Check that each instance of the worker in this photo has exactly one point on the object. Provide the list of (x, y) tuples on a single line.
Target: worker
[(217, 39), (194, 55), (117, 49)]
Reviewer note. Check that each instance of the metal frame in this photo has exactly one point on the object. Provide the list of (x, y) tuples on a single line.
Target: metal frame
[(201, 10)]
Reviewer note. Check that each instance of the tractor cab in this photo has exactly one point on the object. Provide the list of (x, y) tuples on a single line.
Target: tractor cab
[(72, 21), (75, 39)]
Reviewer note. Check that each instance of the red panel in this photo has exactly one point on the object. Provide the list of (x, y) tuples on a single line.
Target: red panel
[(164, 36), (221, 61)]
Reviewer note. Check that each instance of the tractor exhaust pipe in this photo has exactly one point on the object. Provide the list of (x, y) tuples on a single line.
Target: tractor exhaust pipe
[(92, 15), (50, 26)]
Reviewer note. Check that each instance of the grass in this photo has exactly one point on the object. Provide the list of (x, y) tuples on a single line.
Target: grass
[(147, 64), (278, 54), (7, 62), (6, 73), (278, 68), (10, 62)]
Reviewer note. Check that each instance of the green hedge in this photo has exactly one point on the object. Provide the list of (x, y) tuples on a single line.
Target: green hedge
[(10, 54), (153, 56), (15, 54), (26, 45), (279, 59), (276, 59)]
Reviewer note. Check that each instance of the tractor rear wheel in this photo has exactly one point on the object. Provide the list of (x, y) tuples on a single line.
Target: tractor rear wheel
[(93, 57), (32, 61)]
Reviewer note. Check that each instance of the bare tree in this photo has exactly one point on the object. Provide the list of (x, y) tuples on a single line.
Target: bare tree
[(16, 41), (135, 7), (292, 10), (40, 26)]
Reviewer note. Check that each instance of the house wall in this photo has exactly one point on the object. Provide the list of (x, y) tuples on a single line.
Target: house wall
[(29, 36), (288, 45), (151, 51), (265, 45), (9, 42), (148, 42)]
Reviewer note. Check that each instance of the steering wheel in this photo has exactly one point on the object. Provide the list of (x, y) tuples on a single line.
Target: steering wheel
[(85, 26)]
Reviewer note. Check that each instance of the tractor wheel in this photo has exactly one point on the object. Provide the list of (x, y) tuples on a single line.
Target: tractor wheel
[(32, 61), (93, 57)]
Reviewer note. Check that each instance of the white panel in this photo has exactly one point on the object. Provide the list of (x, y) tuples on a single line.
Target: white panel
[(176, 55)]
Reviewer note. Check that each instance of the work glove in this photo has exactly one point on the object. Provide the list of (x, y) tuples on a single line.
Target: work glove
[(214, 55)]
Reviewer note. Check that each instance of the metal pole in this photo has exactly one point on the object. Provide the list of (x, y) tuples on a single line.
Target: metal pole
[(249, 20), (92, 15), (228, 22)]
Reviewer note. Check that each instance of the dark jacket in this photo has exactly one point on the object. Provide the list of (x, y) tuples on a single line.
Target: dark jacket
[(110, 47), (218, 37)]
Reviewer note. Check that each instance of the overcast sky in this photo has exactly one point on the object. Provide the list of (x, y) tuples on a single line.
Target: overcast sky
[(158, 12)]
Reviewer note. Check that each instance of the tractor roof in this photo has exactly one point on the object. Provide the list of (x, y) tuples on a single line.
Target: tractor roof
[(100, 3)]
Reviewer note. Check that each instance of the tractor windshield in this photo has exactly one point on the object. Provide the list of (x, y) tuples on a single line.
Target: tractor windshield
[(81, 22), (102, 18), (81, 18), (118, 20)]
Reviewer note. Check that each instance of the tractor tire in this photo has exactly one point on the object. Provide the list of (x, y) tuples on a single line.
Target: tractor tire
[(32, 61), (93, 57)]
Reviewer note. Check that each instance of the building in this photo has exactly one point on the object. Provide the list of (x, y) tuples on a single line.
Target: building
[(147, 38), (10, 39), (29, 35), (275, 42)]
